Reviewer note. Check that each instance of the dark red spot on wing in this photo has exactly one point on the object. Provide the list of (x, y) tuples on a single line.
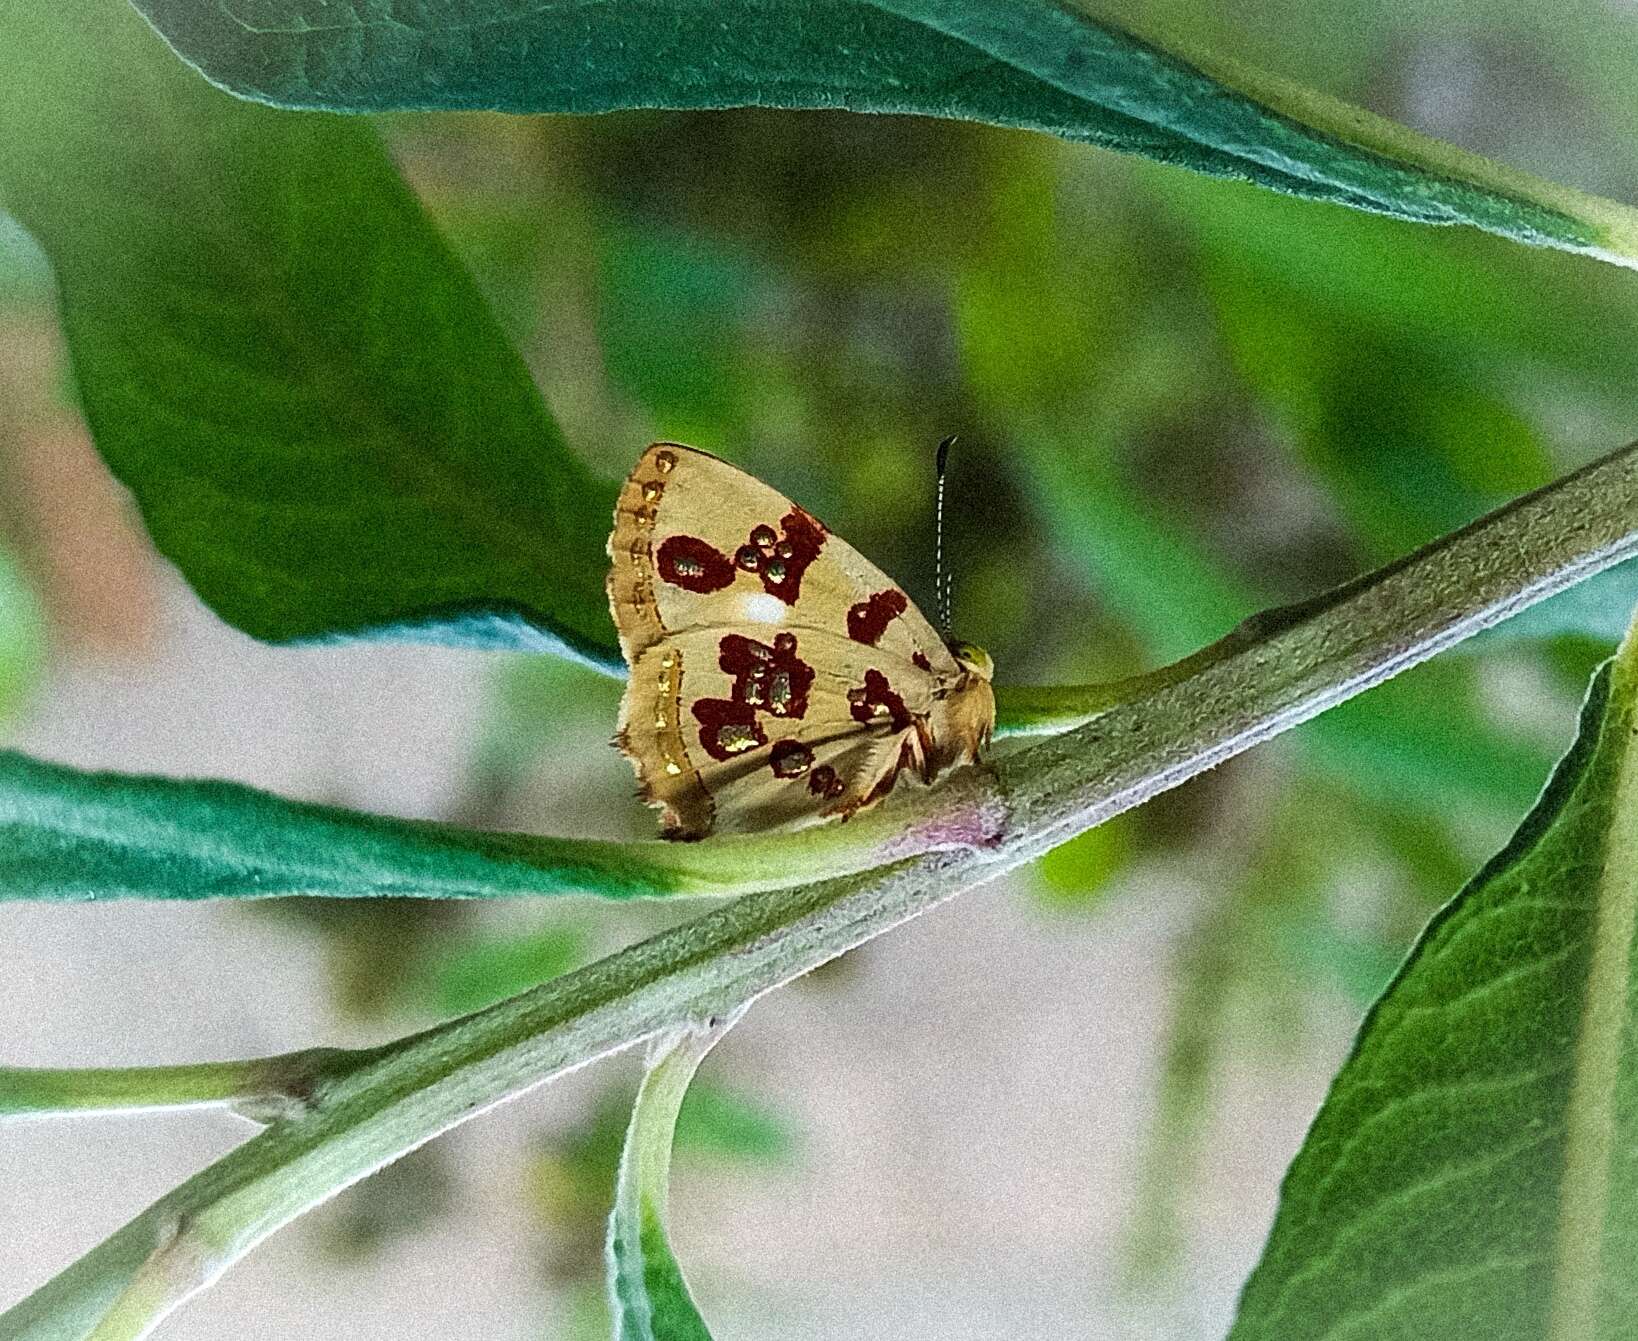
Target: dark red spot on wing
[(688, 562), (921, 663), (877, 705), (868, 620), (824, 782), (770, 679), (727, 728), (790, 759), (781, 562)]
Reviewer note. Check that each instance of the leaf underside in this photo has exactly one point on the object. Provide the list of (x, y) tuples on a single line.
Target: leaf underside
[(67, 835), (323, 424), (1038, 65)]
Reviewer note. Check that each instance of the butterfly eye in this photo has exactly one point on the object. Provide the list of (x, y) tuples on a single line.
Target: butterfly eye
[(974, 658)]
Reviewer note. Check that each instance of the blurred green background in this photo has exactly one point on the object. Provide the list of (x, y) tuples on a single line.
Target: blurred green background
[(1178, 402)]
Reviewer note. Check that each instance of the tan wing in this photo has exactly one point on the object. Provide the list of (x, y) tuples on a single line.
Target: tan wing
[(699, 543), (735, 608), (733, 734)]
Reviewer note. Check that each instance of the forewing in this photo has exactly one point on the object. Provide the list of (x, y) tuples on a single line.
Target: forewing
[(698, 543)]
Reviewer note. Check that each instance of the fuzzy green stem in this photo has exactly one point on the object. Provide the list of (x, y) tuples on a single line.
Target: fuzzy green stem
[(648, 1296), (260, 1089)]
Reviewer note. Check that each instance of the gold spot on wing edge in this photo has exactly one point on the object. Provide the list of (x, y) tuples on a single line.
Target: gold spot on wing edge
[(631, 589), (689, 809), (666, 775)]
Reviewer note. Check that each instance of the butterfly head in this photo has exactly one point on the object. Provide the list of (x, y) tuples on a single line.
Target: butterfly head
[(973, 659)]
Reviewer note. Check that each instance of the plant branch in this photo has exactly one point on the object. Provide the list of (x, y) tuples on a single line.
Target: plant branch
[(261, 1089), (1272, 673)]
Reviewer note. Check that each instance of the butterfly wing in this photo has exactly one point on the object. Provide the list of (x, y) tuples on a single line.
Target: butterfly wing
[(777, 675), (734, 734)]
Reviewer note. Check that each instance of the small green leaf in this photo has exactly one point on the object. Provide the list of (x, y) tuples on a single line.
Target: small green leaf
[(1039, 64), (647, 1293), (1076, 875), (732, 1125), (22, 637), (1471, 1171), (321, 420), (477, 973)]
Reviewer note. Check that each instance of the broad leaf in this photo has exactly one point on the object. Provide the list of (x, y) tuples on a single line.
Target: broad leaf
[(648, 1296), (321, 421), (1472, 1171), (1041, 64)]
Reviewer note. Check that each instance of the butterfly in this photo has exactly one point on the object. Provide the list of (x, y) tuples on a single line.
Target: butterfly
[(778, 677)]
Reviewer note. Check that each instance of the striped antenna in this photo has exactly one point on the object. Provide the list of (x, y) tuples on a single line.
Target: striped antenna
[(941, 584)]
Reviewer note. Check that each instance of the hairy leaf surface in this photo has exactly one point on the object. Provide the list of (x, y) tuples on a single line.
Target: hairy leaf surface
[(323, 424), (1472, 1171), (648, 1296), (1037, 64)]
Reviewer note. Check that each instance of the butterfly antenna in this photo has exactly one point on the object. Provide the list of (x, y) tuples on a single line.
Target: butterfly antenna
[(941, 586)]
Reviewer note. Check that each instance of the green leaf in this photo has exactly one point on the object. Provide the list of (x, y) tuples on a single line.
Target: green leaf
[(1146, 565), (67, 835), (319, 417), (1593, 609), (1428, 739), (1077, 874), (647, 1293), (1039, 64), (731, 1125), (478, 973), (70, 835), (1410, 442), (22, 637), (25, 278), (1528, 319), (671, 318), (1471, 1171)]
